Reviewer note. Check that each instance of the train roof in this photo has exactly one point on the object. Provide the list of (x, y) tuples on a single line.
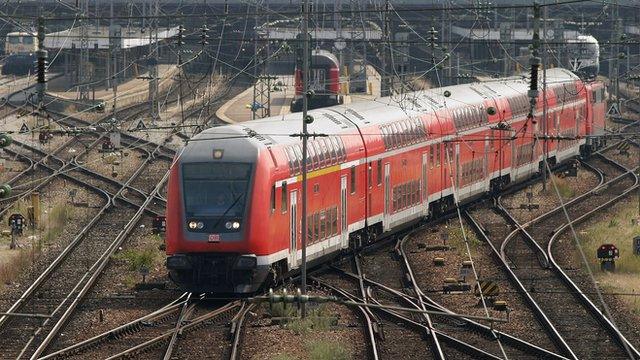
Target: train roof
[(344, 119)]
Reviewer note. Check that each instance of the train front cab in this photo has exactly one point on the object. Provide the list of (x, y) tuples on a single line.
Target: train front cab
[(595, 126), (209, 232)]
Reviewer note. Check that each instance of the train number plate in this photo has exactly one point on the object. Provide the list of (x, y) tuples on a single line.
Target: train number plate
[(214, 237)]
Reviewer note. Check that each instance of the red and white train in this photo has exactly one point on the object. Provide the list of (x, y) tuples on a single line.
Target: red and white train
[(324, 81), (233, 211)]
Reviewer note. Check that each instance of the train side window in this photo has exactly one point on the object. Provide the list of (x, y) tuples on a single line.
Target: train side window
[(334, 155), (311, 157), (321, 153), (335, 145), (353, 180), (327, 150), (310, 228), (342, 156), (394, 199), (431, 149), (316, 227), (273, 198), (298, 152), (379, 172), (323, 224), (405, 133), (284, 197), (334, 221)]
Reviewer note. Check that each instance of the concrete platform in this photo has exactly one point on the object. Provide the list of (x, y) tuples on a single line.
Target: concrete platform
[(132, 91), (238, 109)]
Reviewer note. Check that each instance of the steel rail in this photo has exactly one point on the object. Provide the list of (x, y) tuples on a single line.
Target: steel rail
[(522, 227), (191, 325), (600, 316), (540, 315), (416, 326), (590, 306), (96, 270), (63, 173), (412, 301), (122, 330), (436, 348), (367, 313), (184, 313), (237, 329)]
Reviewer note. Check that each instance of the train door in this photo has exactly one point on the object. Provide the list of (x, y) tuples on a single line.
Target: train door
[(387, 197), (293, 228), (424, 185), (344, 228), (485, 163), (457, 167)]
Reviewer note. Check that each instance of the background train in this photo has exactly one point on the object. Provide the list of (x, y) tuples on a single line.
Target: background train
[(324, 81), (20, 53), (234, 193), (583, 54)]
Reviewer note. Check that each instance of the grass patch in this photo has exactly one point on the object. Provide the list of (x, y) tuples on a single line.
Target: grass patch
[(327, 350), (616, 227), (456, 240), (139, 259), (318, 319), (564, 188), (13, 265), (279, 310), (55, 222)]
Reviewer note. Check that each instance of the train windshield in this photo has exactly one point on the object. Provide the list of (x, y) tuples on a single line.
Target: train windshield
[(13, 39), (215, 189)]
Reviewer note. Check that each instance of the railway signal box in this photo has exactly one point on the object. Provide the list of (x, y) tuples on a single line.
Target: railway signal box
[(16, 222), (607, 254), (159, 224)]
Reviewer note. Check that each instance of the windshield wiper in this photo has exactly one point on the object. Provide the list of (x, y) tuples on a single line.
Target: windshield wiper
[(228, 209)]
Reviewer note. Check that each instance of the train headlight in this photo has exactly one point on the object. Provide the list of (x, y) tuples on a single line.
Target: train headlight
[(193, 225), (235, 225), (228, 225), (200, 225)]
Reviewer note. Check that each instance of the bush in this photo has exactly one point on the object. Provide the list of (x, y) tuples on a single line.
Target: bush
[(327, 350), (278, 310), (139, 259), (317, 319)]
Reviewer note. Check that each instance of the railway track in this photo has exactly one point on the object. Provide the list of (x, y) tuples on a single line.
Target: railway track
[(160, 334), (395, 285), (577, 325)]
